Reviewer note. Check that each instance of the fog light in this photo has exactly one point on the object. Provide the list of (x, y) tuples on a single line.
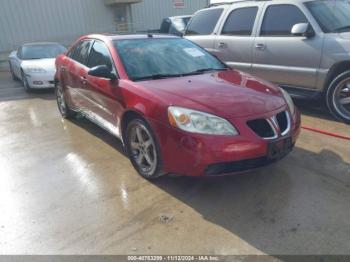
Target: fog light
[(38, 83)]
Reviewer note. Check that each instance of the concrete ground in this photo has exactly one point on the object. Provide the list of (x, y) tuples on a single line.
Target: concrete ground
[(67, 188)]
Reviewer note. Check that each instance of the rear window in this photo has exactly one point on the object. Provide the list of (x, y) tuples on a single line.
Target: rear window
[(240, 21), (204, 22)]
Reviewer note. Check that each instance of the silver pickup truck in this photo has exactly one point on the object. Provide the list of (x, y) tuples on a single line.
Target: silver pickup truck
[(301, 45)]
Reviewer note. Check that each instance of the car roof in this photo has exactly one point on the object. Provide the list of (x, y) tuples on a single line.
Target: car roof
[(41, 43), (114, 37)]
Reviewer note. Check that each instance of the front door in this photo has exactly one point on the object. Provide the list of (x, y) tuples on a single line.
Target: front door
[(104, 93), (282, 58)]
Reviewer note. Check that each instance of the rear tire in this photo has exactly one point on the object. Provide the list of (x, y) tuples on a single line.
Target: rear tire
[(143, 149), (63, 107), (338, 97)]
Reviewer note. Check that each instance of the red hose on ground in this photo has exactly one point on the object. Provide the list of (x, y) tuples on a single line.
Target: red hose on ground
[(326, 133)]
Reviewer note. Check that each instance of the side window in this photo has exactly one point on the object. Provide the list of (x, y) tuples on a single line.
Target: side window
[(279, 20), (204, 22), (81, 51), (99, 55), (240, 21)]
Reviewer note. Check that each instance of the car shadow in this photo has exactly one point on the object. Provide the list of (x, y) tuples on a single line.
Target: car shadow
[(314, 108), (100, 133)]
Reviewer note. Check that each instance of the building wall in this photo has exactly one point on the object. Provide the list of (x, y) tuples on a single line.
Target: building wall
[(149, 14), (23, 21), (51, 20)]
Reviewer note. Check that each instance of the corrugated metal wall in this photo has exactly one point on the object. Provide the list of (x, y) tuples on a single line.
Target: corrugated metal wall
[(149, 14), (51, 20), (23, 21)]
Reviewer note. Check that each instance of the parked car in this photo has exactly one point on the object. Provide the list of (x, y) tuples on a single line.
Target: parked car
[(177, 108), (34, 64), (174, 25), (301, 45)]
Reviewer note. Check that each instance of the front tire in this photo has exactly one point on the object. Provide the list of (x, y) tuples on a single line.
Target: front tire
[(63, 107), (14, 77), (143, 149), (338, 97), (25, 83)]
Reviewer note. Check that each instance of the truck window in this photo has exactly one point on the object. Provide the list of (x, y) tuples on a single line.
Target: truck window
[(204, 22), (240, 21), (279, 20)]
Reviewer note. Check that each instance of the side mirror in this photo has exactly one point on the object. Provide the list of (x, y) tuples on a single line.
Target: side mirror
[(302, 29), (102, 71)]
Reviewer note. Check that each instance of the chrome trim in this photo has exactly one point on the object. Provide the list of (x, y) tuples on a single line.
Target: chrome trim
[(289, 124), (270, 121)]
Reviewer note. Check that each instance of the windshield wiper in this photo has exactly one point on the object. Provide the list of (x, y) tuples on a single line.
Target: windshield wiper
[(203, 70), (155, 76), (340, 29)]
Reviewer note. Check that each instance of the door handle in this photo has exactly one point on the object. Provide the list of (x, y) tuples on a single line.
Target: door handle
[(83, 80), (260, 46), (222, 45)]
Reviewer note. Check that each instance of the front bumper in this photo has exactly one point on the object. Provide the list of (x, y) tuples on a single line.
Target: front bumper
[(41, 81), (199, 155)]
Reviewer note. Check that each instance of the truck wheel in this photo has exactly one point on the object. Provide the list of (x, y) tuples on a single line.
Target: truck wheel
[(338, 97)]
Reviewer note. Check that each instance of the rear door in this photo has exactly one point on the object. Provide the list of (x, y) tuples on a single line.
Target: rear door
[(234, 43), (76, 74), (104, 94), (202, 27), (282, 58)]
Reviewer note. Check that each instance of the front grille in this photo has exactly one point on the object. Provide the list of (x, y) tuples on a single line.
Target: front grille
[(272, 127), (283, 122), (261, 127)]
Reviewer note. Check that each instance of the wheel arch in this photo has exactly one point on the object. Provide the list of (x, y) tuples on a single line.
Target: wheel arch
[(129, 115), (336, 70)]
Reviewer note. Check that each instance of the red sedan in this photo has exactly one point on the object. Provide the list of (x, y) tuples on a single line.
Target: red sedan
[(177, 108)]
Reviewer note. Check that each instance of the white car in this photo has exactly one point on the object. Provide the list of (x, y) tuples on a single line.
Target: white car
[(34, 64)]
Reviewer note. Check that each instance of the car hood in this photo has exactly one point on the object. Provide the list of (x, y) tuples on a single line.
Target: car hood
[(228, 93), (48, 64)]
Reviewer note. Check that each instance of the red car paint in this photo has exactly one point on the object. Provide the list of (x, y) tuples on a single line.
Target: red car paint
[(236, 96)]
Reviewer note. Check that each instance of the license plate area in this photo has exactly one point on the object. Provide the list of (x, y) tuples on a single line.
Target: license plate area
[(280, 148)]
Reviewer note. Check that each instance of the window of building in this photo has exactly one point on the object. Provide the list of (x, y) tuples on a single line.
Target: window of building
[(204, 22), (279, 20), (240, 21)]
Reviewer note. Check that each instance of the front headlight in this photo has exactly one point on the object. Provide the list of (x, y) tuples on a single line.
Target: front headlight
[(199, 122), (289, 101), (35, 70)]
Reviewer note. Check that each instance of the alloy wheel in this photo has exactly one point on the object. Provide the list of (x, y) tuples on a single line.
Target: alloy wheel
[(341, 98), (143, 149), (61, 102)]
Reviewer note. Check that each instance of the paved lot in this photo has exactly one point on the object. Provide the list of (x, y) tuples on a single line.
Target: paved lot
[(67, 188)]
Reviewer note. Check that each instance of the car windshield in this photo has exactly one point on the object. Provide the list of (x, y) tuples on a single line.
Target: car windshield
[(156, 58), (332, 16), (30, 52)]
